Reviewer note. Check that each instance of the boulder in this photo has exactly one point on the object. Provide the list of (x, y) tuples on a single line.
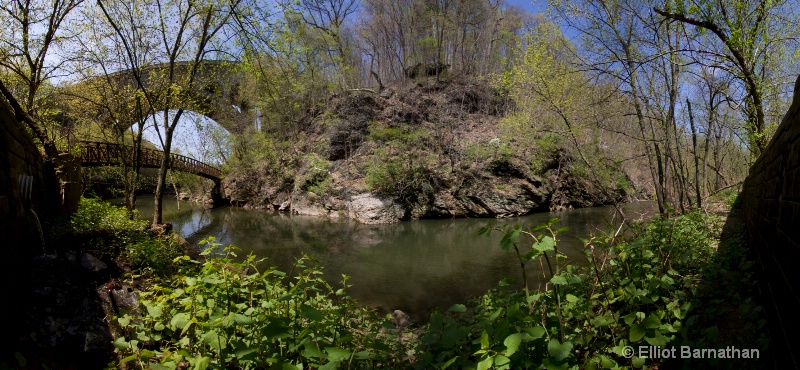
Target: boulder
[(125, 299), (91, 262), (369, 208), (304, 205), (401, 320)]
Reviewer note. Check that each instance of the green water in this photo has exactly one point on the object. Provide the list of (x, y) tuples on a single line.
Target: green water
[(413, 266)]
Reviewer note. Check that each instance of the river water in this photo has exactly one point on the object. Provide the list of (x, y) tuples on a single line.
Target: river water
[(413, 266)]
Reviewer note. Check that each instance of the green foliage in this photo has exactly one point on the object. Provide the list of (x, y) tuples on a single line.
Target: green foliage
[(148, 254), (398, 135), (653, 289), (94, 214), (403, 175), (315, 177), (231, 314), (646, 291)]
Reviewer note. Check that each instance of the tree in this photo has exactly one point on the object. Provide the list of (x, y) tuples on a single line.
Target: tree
[(753, 34), (566, 112), (328, 17), (186, 34), (614, 34), (30, 30)]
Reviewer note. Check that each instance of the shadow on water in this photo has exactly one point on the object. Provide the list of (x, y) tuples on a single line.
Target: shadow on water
[(413, 266)]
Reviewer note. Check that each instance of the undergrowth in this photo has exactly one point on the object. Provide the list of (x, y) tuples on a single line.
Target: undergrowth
[(668, 285)]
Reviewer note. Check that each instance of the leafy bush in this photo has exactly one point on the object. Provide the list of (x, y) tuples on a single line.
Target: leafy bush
[(154, 255), (146, 253), (232, 315), (96, 214), (647, 291), (315, 178), (403, 176)]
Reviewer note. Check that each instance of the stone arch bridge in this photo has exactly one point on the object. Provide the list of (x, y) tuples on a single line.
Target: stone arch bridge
[(216, 91)]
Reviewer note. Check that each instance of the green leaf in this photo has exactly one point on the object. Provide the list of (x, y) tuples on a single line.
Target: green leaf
[(179, 321), (484, 340), (311, 313), (637, 333), (242, 319), (501, 360), (332, 365), (154, 366), (652, 321), (559, 280), (337, 354), (545, 245), (154, 311), (124, 321), (121, 343), (211, 338), (557, 350), (512, 343), (448, 363), (486, 363), (571, 298), (311, 350), (607, 363), (457, 308), (509, 238), (550, 365), (242, 353), (637, 362), (536, 332), (658, 340), (276, 330), (601, 321), (200, 363)]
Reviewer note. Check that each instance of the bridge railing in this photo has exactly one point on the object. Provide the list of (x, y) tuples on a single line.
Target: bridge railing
[(95, 153)]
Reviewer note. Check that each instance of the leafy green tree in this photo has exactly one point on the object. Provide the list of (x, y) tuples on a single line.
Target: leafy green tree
[(186, 33), (753, 35), (30, 31)]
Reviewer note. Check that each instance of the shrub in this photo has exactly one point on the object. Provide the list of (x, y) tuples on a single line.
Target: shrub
[(402, 176), (646, 291), (154, 255), (96, 214), (315, 177), (235, 315)]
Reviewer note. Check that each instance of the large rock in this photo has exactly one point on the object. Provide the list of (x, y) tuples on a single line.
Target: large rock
[(307, 205), (369, 208), (507, 202), (91, 262)]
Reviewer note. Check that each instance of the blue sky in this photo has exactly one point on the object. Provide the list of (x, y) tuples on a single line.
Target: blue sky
[(190, 138), (534, 6)]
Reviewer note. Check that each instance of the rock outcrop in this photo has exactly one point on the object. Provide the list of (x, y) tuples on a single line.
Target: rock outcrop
[(433, 148), (371, 209)]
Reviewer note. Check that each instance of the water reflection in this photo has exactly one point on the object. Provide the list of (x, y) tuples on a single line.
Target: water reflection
[(413, 266)]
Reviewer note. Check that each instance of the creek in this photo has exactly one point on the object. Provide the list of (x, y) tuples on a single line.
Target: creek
[(412, 266)]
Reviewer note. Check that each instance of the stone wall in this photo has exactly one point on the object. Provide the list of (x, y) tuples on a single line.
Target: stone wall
[(771, 207), (20, 239)]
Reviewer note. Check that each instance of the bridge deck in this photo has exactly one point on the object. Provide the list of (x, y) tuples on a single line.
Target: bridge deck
[(94, 153)]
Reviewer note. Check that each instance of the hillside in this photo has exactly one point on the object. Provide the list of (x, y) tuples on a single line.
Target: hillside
[(414, 150)]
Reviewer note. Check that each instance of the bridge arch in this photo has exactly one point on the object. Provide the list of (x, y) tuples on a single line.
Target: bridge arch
[(217, 91)]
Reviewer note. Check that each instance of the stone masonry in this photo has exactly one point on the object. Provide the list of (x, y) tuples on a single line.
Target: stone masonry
[(771, 208)]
